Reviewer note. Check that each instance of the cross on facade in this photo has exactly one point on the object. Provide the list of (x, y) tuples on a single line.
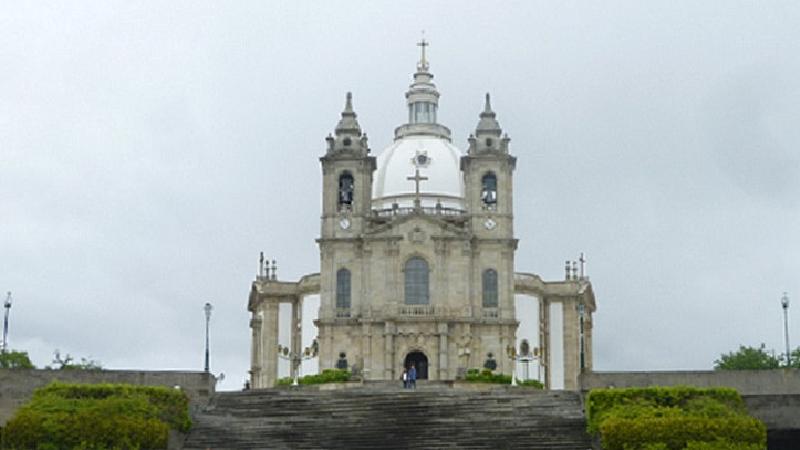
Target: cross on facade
[(416, 179)]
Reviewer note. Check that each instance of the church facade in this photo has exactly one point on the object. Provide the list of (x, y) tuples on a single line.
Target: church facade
[(417, 265)]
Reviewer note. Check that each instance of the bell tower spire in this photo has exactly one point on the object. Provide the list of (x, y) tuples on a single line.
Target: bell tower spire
[(348, 136)]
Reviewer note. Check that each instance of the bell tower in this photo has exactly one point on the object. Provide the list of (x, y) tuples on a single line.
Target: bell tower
[(347, 172), (488, 169)]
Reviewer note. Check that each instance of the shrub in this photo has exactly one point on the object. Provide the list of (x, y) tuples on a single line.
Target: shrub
[(659, 418), (677, 432), (105, 416), (602, 402), (722, 445), (327, 376), (487, 376)]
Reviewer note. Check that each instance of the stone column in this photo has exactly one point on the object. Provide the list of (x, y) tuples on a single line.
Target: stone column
[(255, 351), (388, 351), (269, 340), (296, 332), (572, 345), (442, 330), (544, 339)]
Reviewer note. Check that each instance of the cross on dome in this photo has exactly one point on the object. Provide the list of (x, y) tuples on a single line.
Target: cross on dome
[(423, 63)]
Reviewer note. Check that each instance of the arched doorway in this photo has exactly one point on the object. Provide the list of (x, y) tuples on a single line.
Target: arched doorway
[(420, 362)]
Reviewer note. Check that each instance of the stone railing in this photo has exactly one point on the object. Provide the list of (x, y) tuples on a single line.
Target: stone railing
[(416, 310), (491, 313), (399, 311), (427, 210)]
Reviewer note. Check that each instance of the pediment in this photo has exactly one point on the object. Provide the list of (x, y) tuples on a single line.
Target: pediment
[(416, 227)]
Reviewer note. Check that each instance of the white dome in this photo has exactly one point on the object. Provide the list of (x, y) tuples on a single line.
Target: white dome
[(440, 164)]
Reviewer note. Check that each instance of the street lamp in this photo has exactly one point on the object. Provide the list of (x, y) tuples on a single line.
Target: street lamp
[(297, 358), (581, 315), (207, 309), (785, 305), (7, 306)]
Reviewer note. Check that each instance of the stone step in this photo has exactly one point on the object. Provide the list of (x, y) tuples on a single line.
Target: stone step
[(382, 416)]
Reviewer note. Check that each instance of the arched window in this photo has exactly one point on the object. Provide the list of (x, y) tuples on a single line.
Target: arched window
[(417, 282), (346, 191), (343, 288), (489, 190), (489, 288)]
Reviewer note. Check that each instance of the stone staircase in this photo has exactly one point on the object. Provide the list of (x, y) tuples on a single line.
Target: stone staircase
[(386, 416)]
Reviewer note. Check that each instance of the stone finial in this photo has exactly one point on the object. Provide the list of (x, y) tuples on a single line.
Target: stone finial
[(488, 124), (574, 270), (261, 265), (348, 125), (567, 270), (274, 270)]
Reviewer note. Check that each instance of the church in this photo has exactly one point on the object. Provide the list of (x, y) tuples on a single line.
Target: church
[(417, 264)]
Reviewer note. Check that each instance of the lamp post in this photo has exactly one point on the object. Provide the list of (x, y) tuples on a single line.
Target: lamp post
[(7, 306), (296, 359), (785, 305), (207, 308), (581, 314)]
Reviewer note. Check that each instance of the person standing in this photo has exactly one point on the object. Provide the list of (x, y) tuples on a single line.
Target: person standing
[(405, 378), (412, 377)]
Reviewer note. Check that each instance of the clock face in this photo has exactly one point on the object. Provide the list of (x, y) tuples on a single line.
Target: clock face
[(344, 223), (490, 224)]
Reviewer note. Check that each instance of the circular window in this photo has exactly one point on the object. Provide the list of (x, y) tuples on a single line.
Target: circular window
[(421, 159), (347, 141)]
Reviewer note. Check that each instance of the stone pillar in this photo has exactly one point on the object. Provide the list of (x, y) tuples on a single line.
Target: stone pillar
[(296, 334), (544, 339), (255, 351), (388, 351), (442, 330), (269, 340), (572, 344)]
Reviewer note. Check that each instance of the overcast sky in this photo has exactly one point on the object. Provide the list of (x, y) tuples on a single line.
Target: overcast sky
[(150, 150)]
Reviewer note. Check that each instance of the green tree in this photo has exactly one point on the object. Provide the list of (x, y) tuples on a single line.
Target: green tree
[(795, 358), (747, 358), (15, 360), (68, 363)]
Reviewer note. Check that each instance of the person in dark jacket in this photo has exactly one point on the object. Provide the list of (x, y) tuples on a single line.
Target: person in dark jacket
[(412, 377)]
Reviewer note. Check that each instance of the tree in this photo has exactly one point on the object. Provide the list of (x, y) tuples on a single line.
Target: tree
[(748, 358), (15, 360), (795, 358), (68, 363)]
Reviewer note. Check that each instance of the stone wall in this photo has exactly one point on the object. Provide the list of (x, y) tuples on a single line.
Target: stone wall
[(747, 382), (17, 386), (773, 396)]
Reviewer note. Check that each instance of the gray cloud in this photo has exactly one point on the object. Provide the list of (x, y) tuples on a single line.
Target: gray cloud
[(148, 152)]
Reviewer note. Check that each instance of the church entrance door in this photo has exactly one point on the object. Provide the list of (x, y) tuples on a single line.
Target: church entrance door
[(420, 361)]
